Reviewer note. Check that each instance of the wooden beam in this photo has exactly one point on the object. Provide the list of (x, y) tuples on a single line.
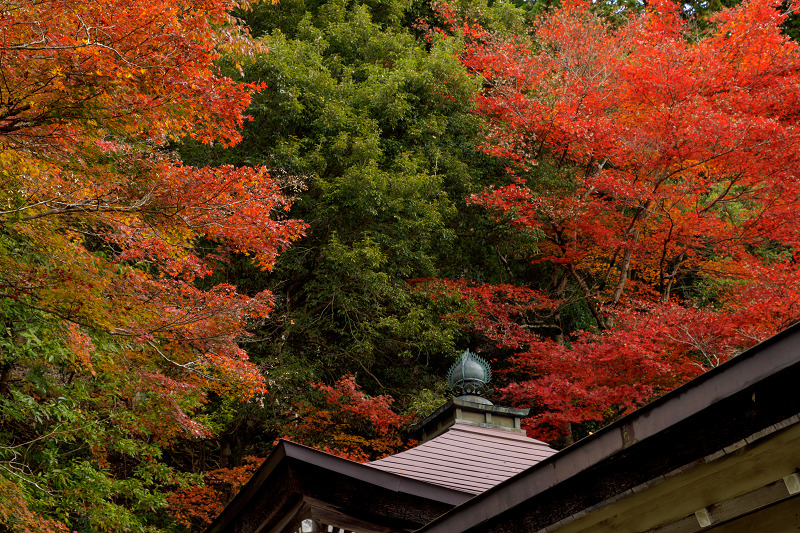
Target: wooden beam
[(728, 510), (330, 515), (714, 483)]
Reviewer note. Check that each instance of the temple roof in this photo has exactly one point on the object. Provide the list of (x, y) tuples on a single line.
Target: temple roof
[(720, 452), (467, 458)]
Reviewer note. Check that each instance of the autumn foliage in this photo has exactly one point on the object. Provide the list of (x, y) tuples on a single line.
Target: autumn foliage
[(645, 228), (111, 337), (658, 169), (349, 423), (196, 507)]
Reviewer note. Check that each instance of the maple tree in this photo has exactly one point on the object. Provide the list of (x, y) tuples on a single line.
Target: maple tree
[(111, 339), (342, 420), (348, 423), (198, 506), (655, 177)]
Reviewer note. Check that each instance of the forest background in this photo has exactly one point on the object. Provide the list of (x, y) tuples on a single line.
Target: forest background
[(227, 223)]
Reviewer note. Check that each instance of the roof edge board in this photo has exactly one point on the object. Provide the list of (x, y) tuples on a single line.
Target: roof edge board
[(377, 477), (249, 490)]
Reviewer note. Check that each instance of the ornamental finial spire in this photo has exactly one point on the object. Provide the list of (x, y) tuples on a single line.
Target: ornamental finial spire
[(469, 375)]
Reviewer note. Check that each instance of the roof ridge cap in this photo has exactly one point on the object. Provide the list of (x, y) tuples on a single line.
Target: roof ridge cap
[(511, 435)]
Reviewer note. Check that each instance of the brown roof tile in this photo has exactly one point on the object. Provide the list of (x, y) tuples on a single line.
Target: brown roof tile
[(467, 458)]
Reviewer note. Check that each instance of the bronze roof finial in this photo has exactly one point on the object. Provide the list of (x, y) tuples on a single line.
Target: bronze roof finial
[(469, 375)]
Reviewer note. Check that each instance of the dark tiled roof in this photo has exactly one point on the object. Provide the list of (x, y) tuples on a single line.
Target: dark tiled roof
[(467, 458)]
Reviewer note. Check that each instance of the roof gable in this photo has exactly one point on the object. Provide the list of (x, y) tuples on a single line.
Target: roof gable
[(297, 483)]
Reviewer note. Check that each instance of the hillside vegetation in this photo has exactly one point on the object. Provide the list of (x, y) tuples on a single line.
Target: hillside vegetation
[(227, 223)]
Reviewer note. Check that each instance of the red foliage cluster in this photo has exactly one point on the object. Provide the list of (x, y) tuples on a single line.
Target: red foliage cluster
[(350, 424), (93, 92), (199, 506), (677, 162), (107, 235)]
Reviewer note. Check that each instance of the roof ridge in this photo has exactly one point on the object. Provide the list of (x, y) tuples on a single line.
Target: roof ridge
[(502, 433)]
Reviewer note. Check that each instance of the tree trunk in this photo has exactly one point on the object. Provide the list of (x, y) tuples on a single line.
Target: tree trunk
[(5, 377)]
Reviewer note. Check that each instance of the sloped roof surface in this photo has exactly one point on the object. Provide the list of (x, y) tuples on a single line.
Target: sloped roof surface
[(467, 458)]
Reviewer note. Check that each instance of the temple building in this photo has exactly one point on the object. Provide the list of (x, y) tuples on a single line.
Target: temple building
[(720, 453)]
